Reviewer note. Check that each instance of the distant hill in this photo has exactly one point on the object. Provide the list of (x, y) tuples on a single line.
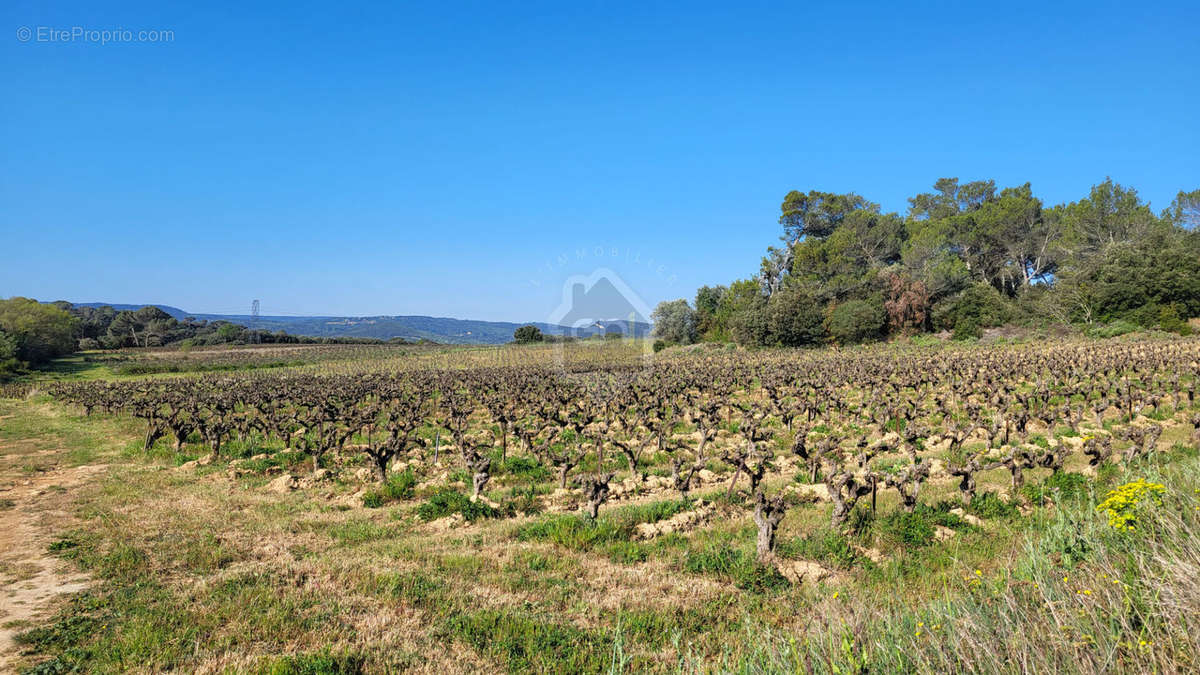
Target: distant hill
[(175, 312), (438, 329)]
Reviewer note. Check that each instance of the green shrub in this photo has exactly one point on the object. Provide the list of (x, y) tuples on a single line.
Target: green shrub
[(967, 329), (794, 318), (1170, 321), (400, 485), (571, 531), (528, 334), (980, 304), (860, 521), (856, 321), (660, 345), (919, 527), (1110, 330)]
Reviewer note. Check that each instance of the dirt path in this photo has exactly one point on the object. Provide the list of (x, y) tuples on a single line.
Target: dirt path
[(33, 511)]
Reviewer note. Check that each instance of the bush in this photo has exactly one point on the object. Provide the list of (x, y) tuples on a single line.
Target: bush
[(1122, 504), (400, 485), (793, 318), (524, 500), (1170, 321), (980, 303), (39, 332), (1110, 330), (919, 527), (579, 533), (856, 321), (573, 532), (660, 345), (528, 334), (8, 356), (749, 325), (674, 321), (967, 329)]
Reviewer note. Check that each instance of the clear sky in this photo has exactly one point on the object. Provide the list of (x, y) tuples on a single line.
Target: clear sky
[(445, 158)]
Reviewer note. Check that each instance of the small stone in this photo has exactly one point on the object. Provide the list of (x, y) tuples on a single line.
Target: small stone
[(801, 572), (967, 518), (284, 484)]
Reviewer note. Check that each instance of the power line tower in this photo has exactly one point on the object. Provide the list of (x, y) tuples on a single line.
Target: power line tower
[(254, 321)]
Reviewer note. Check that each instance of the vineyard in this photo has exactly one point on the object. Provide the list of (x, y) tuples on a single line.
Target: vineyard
[(704, 509)]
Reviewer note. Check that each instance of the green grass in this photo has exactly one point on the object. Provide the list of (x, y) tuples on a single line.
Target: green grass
[(525, 469), (825, 546), (736, 566), (1056, 487), (615, 526), (527, 643), (398, 487), (989, 505), (448, 502), (156, 368), (360, 531), (39, 425), (323, 662)]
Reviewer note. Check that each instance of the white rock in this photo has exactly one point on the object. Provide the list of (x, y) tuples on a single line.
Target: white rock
[(284, 484), (802, 572)]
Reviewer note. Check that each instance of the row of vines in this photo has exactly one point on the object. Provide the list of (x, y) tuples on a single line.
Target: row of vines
[(855, 423)]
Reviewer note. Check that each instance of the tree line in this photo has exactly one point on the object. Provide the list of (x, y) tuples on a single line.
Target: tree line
[(966, 256), (32, 333)]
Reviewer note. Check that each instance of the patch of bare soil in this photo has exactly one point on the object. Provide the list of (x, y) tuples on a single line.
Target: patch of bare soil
[(34, 512)]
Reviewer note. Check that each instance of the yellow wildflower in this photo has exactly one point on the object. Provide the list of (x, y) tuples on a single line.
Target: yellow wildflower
[(1120, 504)]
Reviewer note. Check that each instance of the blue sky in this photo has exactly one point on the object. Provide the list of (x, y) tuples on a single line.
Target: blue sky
[(464, 159)]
